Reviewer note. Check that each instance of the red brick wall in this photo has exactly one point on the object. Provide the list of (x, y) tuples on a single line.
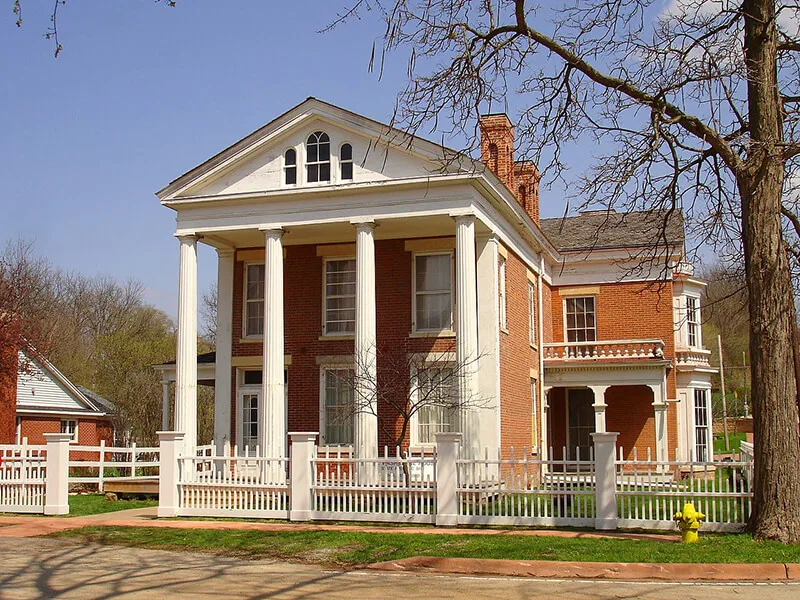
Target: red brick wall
[(497, 147), (546, 312), (90, 431), (8, 393), (630, 413), (517, 357)]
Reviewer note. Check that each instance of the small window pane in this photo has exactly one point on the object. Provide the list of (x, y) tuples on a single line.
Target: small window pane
[(347, 170), (290, 158), (313, 173), (346, 152), (312, 153), (325, 171), (253, 377), (291, 176)]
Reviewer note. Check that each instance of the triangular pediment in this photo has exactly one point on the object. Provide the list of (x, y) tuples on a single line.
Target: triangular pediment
[(257, 163)]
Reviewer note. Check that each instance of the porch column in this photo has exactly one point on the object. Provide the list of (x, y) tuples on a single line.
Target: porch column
[(660, 412), (224, 341), (365, 350), (599, 406), (272, 421), (467, 329), (165, 406), (186, 367)]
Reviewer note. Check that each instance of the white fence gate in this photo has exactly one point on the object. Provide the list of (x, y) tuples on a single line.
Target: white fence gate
[(94, 465), (22, 478)]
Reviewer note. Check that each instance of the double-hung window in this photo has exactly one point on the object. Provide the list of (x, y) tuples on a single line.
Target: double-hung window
[(338, 406), (436, 401), (433, 292), (701, 425), (70, 426), (340, 296), (692, 322), (346, 161), (501, 292), (581, 319), (254, 300), (531, 314), (290, 166)]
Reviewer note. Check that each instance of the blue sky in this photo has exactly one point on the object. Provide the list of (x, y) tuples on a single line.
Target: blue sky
[(140, 94)]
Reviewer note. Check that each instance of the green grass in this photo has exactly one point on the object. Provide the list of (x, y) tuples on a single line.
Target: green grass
[(94, 504), (735, 439), (353, 548)]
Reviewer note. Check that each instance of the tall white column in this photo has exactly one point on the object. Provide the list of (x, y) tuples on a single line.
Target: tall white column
[(222, 372), (186, 367), (273, 418), (599, 406), (365, 357), (164, 405), (467, 329), (660, 413), (488, 340)]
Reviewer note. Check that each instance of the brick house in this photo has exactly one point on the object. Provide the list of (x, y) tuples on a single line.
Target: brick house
[(344, 244), (47, 402)]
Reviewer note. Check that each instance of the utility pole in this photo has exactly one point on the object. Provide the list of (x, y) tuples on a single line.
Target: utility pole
[(724, 400)]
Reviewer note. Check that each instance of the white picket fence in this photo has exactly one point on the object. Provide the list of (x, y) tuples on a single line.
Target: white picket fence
[(23, 470), (94, 465), (649, 492)]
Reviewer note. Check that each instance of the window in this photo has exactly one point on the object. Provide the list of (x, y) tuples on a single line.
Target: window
[(581, 319), (254, 300), (502, 293), (433, 294), (346, 161), (18, 434), (692, 322), (534, 417), (437, 399), (338, 407), (531, 314), (252, 377), (340, 296), (290, 166), (701, 425), (249, 422), (70, 426), (318, 157)]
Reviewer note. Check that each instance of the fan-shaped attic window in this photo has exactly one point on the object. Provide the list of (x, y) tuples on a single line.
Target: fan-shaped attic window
[(318, 157), (290, 166)]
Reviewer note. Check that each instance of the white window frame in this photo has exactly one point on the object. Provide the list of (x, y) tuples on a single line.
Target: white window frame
[(532, 314), (18, 431), (74, 439), (534, 415), (286, 167), (323, 371), (566, 330), (709, 442), (501, 294), (414, 437), (307, 163), (414, 326), (245, 300), (341, 162), (693, 320), (325, 331), (255, 388)]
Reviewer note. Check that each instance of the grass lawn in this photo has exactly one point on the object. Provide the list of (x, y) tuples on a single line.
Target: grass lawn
[(93, 504), (735, 439), (345, 549)]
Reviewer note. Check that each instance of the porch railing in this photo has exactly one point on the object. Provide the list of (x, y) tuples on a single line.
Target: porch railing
[(692, 357), (604, 350)]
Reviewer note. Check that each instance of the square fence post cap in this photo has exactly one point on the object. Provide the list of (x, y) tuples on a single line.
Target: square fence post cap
[(447, 436), (58, 437), (303, 436), (605, 436), (170, 436)]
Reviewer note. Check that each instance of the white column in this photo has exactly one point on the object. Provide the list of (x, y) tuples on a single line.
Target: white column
[(186, 368), (467, 329), (273, 418), (171, 444), (599, 406), (56, 489), (222, 372), (488, 341), (164, 405), (365, 349), (660, 413), (605, 448)]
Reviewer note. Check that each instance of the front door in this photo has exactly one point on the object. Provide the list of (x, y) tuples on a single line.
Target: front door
[(580, 423)]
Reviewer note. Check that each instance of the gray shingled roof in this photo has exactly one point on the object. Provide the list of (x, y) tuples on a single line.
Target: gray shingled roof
[(604, 230), (96, 399)]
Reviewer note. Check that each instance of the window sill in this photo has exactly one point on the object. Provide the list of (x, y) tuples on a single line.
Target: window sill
[(252, 340), (338, 338), (433, 334)]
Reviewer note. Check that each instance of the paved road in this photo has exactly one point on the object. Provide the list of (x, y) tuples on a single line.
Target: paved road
[(39, 568)]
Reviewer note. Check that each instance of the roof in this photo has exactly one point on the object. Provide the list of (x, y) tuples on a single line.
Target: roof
[(599, 230), (208, 358), (101, 403)]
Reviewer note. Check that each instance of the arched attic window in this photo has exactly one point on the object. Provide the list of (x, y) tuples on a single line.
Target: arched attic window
[(346, 161), (290, 166), (318, 157)]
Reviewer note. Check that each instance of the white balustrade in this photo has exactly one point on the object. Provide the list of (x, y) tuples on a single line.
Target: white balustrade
[(605, 350), (695, 357)]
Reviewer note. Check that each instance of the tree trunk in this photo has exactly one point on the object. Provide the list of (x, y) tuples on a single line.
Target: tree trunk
[(776, 489)]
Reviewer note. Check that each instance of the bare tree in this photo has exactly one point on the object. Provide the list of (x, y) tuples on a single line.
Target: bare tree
[(692, 107), (208, 314)]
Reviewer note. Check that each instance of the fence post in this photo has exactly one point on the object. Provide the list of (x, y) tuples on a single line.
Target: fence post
[(605, 448), (170, 450), (57, 474), (102, 466), (133, 460), (447, 445), (300, 475)]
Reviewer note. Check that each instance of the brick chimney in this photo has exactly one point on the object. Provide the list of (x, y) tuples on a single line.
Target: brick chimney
[(527, 178), (497, 146)]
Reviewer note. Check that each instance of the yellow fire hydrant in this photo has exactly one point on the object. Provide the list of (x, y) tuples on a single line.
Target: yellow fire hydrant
[(689, 522)]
